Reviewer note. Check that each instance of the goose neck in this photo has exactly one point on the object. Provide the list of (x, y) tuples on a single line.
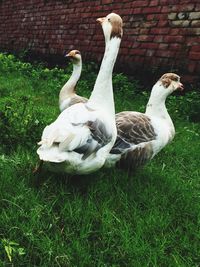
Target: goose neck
[(102, 95), (69, 86)]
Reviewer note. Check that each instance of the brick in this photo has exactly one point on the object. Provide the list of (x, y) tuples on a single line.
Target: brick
[(175, 47), (167, 53), (124, 50), (194, 55), (126, 11), (150, 10), (172, 16), (150, 53), (137, 51), (194, 15), (149, 24), (166, 9), (144, 31), (145, 38), (174, 32), (195, 48), (195, 23), (194, 31), (180, 23), (163, 23), (139, 3), (153, 3), (158, 39), (192, 67), (137, 10), (159, 31), (163, 46), (182, 7), (174, 39), (149, 45), (150, 17)]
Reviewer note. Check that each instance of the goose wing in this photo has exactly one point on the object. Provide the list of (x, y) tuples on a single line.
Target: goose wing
[(135, 134), (76, 130), (77, 99)]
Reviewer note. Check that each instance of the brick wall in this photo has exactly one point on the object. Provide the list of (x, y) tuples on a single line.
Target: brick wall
[(158, 34)]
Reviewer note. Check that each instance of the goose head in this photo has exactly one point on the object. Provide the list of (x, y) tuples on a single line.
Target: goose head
[(112, 26), (171, 82), (166, 85), (74, 56)]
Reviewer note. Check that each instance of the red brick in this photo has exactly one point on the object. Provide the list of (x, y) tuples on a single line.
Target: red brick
[(176, 47), (150, 53), (144, 31), (192, 67), (174, 39), (137, 10), (163, 23), (124, 51), (195, 48), (192, 40), (154, 3), (158, 39), (182, 7), (137, 52), (149, 45), (175, 31), (139, 3), (166, 9), (149, 24), (145, 38), (150, 10), (194, 55), (150, 17), (163, 46), (159, 31), (167, 53)]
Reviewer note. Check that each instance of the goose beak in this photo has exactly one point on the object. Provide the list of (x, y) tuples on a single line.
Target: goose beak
[(67, 55), (180, 87), (100, 20)]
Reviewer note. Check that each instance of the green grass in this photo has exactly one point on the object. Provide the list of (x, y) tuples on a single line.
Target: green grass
[(105, 219)]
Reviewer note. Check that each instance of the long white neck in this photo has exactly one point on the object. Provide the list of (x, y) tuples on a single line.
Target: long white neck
[(102, 94), (69, 87), (156, 105)]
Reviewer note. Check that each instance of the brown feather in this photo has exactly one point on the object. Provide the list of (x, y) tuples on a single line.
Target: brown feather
[(167, 78), (136, 157), (77, 99), (134, 128), (116, 22)]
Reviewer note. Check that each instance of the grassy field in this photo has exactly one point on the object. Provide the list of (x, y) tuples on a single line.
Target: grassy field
[(105, 219)]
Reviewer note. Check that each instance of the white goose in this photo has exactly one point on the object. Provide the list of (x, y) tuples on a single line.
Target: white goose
[(82, 136), (141, 136), (68, 96)]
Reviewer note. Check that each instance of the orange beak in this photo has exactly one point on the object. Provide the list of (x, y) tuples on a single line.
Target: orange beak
[(69, 54), (101, 20)]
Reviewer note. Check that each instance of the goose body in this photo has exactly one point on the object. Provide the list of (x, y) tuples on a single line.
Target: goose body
[(140, 136), (82, 136), (68, 96)]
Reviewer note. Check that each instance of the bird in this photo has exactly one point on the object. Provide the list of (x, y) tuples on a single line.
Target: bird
[(140, 136), (80, 139), (67, 95)]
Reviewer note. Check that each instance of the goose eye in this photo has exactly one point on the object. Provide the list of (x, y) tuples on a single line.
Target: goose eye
[(108, 19)]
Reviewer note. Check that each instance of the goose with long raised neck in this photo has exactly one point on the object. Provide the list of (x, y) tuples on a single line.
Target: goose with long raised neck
[(68, 96), (140, 136), (82, 136)]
